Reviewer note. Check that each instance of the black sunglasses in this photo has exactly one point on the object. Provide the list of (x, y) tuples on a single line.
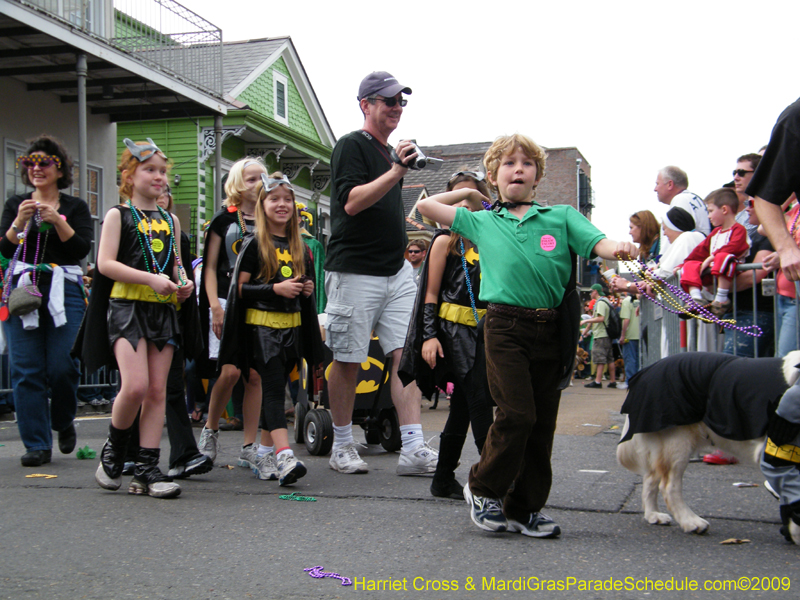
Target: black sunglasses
[(741, 172), (414, 251), (390, 102)]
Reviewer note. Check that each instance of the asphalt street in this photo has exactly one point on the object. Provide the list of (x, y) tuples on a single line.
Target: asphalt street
[(231, 536)]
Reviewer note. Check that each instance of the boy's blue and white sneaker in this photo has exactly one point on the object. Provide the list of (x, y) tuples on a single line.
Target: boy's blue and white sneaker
[(486, 513), (266, 467), (289, 469), (538, 525)]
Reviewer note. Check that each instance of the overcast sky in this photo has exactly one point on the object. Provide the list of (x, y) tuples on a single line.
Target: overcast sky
[(634, 85)]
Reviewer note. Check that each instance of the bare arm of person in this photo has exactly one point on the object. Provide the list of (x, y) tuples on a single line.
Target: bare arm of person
[(185, 290), (771, 217), (611, 250), (210, 275), (440, 207), (363, 196)]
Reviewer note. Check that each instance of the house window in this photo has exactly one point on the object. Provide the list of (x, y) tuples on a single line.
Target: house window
[(280, 88), (13, 179), (94, 176)]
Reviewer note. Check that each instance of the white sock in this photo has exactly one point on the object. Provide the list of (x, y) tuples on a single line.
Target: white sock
[(411, 436), (264, 450), (343, 435), (722, 296), (695, 294), (285, 452)]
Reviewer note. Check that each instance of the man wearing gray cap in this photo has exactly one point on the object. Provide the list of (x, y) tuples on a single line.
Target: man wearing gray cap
[(369, 284)]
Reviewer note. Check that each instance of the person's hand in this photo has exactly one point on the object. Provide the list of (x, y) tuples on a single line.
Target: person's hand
[(308, 288), (706, 263), (185, 290), (626, 251), (24, 213), (430, 350), (406, 152), (217, 317), (289, 288), (48, 214), (790, 262), (772, 262), (162, 285)]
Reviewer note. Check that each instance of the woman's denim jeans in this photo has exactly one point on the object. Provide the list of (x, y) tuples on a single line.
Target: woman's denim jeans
[(40, 364), (787, 325)]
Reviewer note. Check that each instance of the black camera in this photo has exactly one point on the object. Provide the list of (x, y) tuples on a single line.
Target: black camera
[(420, 162)]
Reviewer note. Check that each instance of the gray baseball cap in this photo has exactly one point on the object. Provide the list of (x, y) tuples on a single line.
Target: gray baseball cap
[(383, 83)]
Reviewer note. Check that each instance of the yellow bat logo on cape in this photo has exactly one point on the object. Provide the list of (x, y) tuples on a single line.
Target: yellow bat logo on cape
[(471, 256)]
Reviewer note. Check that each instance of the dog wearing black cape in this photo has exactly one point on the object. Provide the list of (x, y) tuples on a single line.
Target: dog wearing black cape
[(691, 401)]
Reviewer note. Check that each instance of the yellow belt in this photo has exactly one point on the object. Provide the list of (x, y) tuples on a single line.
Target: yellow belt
[(786, 452), (275, 320), (462, 315), (138, 291)]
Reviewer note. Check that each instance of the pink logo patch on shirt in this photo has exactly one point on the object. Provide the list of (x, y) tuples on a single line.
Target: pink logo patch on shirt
[(548, 243)]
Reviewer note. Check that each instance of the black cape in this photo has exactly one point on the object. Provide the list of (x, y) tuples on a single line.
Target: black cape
[(412, 366), (236, 345), (734, 396)]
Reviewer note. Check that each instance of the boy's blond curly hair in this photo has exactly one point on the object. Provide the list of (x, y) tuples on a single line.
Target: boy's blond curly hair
[(506, 144)]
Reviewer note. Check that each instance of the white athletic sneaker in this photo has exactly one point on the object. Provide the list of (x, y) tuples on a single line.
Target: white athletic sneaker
[(289, 469), (266, 468), (421, 461), (345, 459), (209, 443)]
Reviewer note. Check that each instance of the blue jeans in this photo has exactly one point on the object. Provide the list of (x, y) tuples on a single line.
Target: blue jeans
[(787, 326), (40, 361), (630, 354), (746, 343)]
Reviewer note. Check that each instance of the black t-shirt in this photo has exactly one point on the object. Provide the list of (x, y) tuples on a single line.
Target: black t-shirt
[(744, 299), (56, 252), (227, 226), (373, 241), (778, 173)]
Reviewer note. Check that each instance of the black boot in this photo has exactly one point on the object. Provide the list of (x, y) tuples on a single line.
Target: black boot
[(444, 484), (112, 457), (148, 478)]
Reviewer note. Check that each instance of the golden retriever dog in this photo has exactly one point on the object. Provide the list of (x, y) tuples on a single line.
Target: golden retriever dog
[(689, 402)]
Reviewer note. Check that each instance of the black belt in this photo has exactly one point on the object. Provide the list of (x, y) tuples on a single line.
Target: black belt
[(540, 315)]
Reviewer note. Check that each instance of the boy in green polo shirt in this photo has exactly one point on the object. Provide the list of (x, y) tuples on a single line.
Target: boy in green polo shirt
[(526, 266)]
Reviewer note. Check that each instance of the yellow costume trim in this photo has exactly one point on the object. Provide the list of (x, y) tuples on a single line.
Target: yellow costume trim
[(787, 452), (138, 291), (455, 313), (275, 320)]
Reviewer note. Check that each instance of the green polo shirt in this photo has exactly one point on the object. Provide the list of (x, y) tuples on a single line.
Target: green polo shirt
[(526, 262)]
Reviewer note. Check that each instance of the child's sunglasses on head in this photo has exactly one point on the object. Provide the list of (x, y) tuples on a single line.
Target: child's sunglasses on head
[(43, 161), (270, 184), (142, 152)]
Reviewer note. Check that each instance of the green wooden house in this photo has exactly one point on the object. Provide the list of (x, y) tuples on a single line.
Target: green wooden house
[(272, 112)]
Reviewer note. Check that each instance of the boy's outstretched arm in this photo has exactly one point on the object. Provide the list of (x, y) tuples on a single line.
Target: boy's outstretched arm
[(440, 208), (611, 250)]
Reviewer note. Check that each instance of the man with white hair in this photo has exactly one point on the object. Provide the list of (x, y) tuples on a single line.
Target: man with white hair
[(671, 189)]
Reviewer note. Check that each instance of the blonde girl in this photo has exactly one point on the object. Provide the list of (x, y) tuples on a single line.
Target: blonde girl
[(273, 323)]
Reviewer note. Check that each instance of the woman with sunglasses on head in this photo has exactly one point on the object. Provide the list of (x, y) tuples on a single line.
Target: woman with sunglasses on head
[(444, 342), (46, 233)]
